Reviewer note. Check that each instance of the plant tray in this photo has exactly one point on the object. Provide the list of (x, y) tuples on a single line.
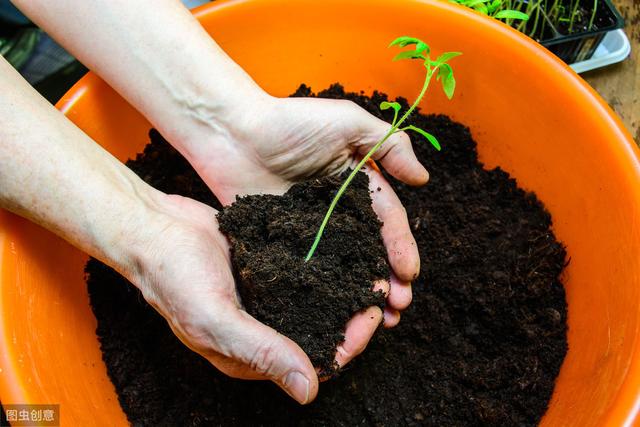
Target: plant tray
[(580, 47)]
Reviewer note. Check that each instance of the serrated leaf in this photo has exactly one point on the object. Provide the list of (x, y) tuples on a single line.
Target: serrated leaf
[(408, 54), (404, 41), (386, 105), (511, 14), (446, 57), (432, 139)]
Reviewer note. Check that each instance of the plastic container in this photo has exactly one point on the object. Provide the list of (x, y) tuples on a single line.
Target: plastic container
[(528, 111), (579, 47), (613, 48)]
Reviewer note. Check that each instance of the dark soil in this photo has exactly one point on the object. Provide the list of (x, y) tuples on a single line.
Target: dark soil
[(310, 302), (481, 344)]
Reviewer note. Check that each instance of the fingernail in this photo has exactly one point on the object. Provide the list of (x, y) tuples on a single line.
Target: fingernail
[(297, 385)]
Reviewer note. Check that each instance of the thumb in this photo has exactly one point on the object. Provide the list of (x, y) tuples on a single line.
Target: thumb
[(265, 354), (396, 154)]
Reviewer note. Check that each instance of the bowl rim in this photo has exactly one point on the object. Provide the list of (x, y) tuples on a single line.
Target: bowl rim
[(625, 406)]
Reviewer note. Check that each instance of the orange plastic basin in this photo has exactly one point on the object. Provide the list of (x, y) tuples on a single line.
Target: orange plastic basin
[(529, 113)]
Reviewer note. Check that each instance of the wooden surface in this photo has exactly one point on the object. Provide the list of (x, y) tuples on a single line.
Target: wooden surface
[(619, 84)]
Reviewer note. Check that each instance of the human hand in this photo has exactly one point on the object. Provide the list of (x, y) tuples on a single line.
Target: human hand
[(270, 143), (186, 275), (239, 139)]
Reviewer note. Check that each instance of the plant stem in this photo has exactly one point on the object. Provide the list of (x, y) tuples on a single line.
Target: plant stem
[(593, 14), (364, 160)]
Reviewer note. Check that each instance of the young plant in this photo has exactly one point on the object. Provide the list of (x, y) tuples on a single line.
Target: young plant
[(443, 72), (556, 14), (497, 9)]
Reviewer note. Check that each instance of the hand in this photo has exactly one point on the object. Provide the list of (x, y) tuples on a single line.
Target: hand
[(270, 143), (239, 139), (185, 274)]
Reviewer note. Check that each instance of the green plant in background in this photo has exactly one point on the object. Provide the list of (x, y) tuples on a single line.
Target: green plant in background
[(443, 72), (556, 14), (18, 48), (529, 16), (568, 12), (497, 9)]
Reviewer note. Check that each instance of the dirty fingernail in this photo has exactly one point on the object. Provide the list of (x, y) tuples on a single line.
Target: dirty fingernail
[(297, 385)]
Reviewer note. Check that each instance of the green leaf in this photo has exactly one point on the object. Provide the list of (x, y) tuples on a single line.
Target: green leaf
[(448, 85), (386, 105), (494, 5), (474, 3), (446, 57), (422, 47), (396, 107), (409, 54), (405, 41), (511, 14), (432, 139), (444, 69), (482, 8)]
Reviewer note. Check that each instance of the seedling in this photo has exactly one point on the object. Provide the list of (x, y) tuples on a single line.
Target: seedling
[(555, 13), (494, 8), (443, 72)]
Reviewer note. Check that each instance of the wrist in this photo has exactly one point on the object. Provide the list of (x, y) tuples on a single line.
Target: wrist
[(206, 116), (119, 236)]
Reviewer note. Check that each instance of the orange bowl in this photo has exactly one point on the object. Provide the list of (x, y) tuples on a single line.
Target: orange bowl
[(529, 113)]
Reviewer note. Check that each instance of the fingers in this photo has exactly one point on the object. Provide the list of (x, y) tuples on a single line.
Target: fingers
[(275, 356), (400, 294), (241, 347), (396, 154), (357, 334), (391, 317), (361, 328), (402, 250)]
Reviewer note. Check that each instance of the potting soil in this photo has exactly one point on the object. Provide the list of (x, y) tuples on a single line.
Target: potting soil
[(481, 344)]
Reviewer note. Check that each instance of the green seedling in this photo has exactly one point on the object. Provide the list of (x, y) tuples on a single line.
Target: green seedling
[(497, 9), (554, 13), (518, 12), (443, 72)]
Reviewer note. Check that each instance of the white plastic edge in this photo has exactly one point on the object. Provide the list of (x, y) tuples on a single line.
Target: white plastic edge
[(614, 47)]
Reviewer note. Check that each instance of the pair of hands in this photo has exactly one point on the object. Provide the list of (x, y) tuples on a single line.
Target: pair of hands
[(240, 141), (187, 276)]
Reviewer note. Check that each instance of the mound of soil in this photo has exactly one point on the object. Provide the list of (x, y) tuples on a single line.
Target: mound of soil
[(309, 302), (481, 344)]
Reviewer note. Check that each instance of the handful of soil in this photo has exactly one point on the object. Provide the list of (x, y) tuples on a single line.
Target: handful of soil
[(309, 302)]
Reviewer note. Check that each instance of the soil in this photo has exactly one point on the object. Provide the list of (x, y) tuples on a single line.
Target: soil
[(309, 302), (481, 344)]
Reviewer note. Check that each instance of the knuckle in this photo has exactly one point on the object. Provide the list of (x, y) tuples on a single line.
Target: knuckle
[(264, 359), (404, 139), (348, 105), (196, 331)]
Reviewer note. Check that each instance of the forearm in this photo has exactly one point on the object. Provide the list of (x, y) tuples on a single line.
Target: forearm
[(56, 176), (155, 54)]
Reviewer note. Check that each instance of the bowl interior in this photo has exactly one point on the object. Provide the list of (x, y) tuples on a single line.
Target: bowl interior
[(529, 113)]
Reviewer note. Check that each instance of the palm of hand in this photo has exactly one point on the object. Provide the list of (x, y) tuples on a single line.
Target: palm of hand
[(289, 140)]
